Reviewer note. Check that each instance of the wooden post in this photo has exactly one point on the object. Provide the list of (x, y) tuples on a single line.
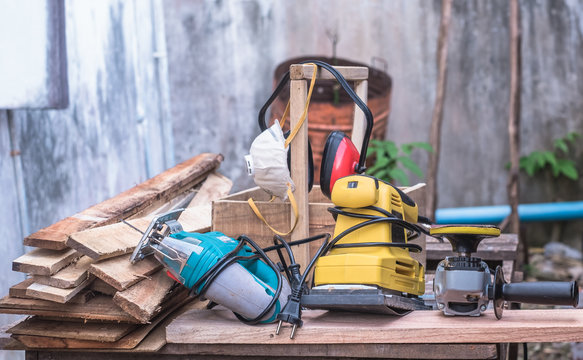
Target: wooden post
[(514, 115), (359, 124), (436, 120), (299, 167), (299, 75)]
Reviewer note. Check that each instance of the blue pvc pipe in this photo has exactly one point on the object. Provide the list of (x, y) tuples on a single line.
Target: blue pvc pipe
[(496, 214)]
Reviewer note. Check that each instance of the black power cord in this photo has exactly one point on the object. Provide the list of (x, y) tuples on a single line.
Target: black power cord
[(259, 253), (227, 260), (292, 311), (342, 81)]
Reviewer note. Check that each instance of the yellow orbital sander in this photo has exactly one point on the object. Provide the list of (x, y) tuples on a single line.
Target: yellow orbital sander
[(367, 267)]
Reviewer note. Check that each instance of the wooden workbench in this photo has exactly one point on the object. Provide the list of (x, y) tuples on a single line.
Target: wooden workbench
[(211, 334), (422, 334)]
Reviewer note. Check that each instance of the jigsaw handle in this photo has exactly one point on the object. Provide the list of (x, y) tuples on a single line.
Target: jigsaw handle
[(542, 292)]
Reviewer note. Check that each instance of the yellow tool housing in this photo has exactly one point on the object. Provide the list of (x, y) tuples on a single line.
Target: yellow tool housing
[(387, 267)]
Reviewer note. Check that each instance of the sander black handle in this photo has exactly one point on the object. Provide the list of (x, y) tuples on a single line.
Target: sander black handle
[(542, 292)]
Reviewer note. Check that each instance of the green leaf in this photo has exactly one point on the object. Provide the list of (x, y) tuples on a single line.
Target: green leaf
[(391, 149), (383, 175), (380, 164), (400, 176), (410, 164), (539, 159), (572, 136), (550, 158), (407, 148), (422, 145), (376, 143), (561, 145), (529, 165), (567, 167)]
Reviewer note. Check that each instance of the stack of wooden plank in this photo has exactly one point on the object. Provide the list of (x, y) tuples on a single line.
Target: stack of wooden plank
[(82, 291)]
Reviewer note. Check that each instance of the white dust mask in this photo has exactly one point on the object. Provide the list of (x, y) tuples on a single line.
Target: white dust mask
[(267, 162)]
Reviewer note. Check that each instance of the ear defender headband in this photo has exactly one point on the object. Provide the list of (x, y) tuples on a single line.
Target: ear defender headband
[(340, 157)]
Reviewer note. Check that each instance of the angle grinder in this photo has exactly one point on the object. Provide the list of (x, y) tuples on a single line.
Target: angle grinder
[(463, 283)]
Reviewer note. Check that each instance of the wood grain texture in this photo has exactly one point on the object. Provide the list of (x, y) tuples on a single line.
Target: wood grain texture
[(213, 188), (500, 248), (44, 261), (298, 169), (7, 343), (69, 277), (119, 239), (321, 327), (108, 241), (51, 293), (417, 194), (137, 200), (83, 297), (143, 300), (127, 342), (359, 123), (233, 216), (305, 72), (437, 117), (95, 331), (99, 308), (327, 351), (19, 290), (102, 287), (120, 273)]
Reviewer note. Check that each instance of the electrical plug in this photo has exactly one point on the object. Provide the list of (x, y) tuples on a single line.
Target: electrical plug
[(292, 311)]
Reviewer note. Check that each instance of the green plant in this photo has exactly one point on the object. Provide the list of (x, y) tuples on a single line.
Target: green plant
[(389, 161), (555, 160)]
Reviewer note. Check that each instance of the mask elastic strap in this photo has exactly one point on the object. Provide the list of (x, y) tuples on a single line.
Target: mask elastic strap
[(294, 206), (304, 114)]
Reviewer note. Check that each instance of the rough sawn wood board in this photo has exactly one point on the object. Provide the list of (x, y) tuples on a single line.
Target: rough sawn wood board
[(147, 195), (430, 326), (44, 261), (143, 300), (118, 239), (120, 273), (99, 308), (69, 277), (95, 331), (51, 293)]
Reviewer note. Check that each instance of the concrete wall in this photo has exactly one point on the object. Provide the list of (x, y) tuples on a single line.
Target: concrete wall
[(114, 134), (222, 55)]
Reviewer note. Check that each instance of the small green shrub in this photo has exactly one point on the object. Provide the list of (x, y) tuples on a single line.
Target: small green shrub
[(556, 160), (390, 161)]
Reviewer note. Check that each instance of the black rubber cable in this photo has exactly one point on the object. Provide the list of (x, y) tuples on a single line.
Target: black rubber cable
[(227, 260), (231, 257), (357, 100)]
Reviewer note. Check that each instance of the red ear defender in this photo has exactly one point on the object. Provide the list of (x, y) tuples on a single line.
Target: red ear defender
[(340, 158)]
